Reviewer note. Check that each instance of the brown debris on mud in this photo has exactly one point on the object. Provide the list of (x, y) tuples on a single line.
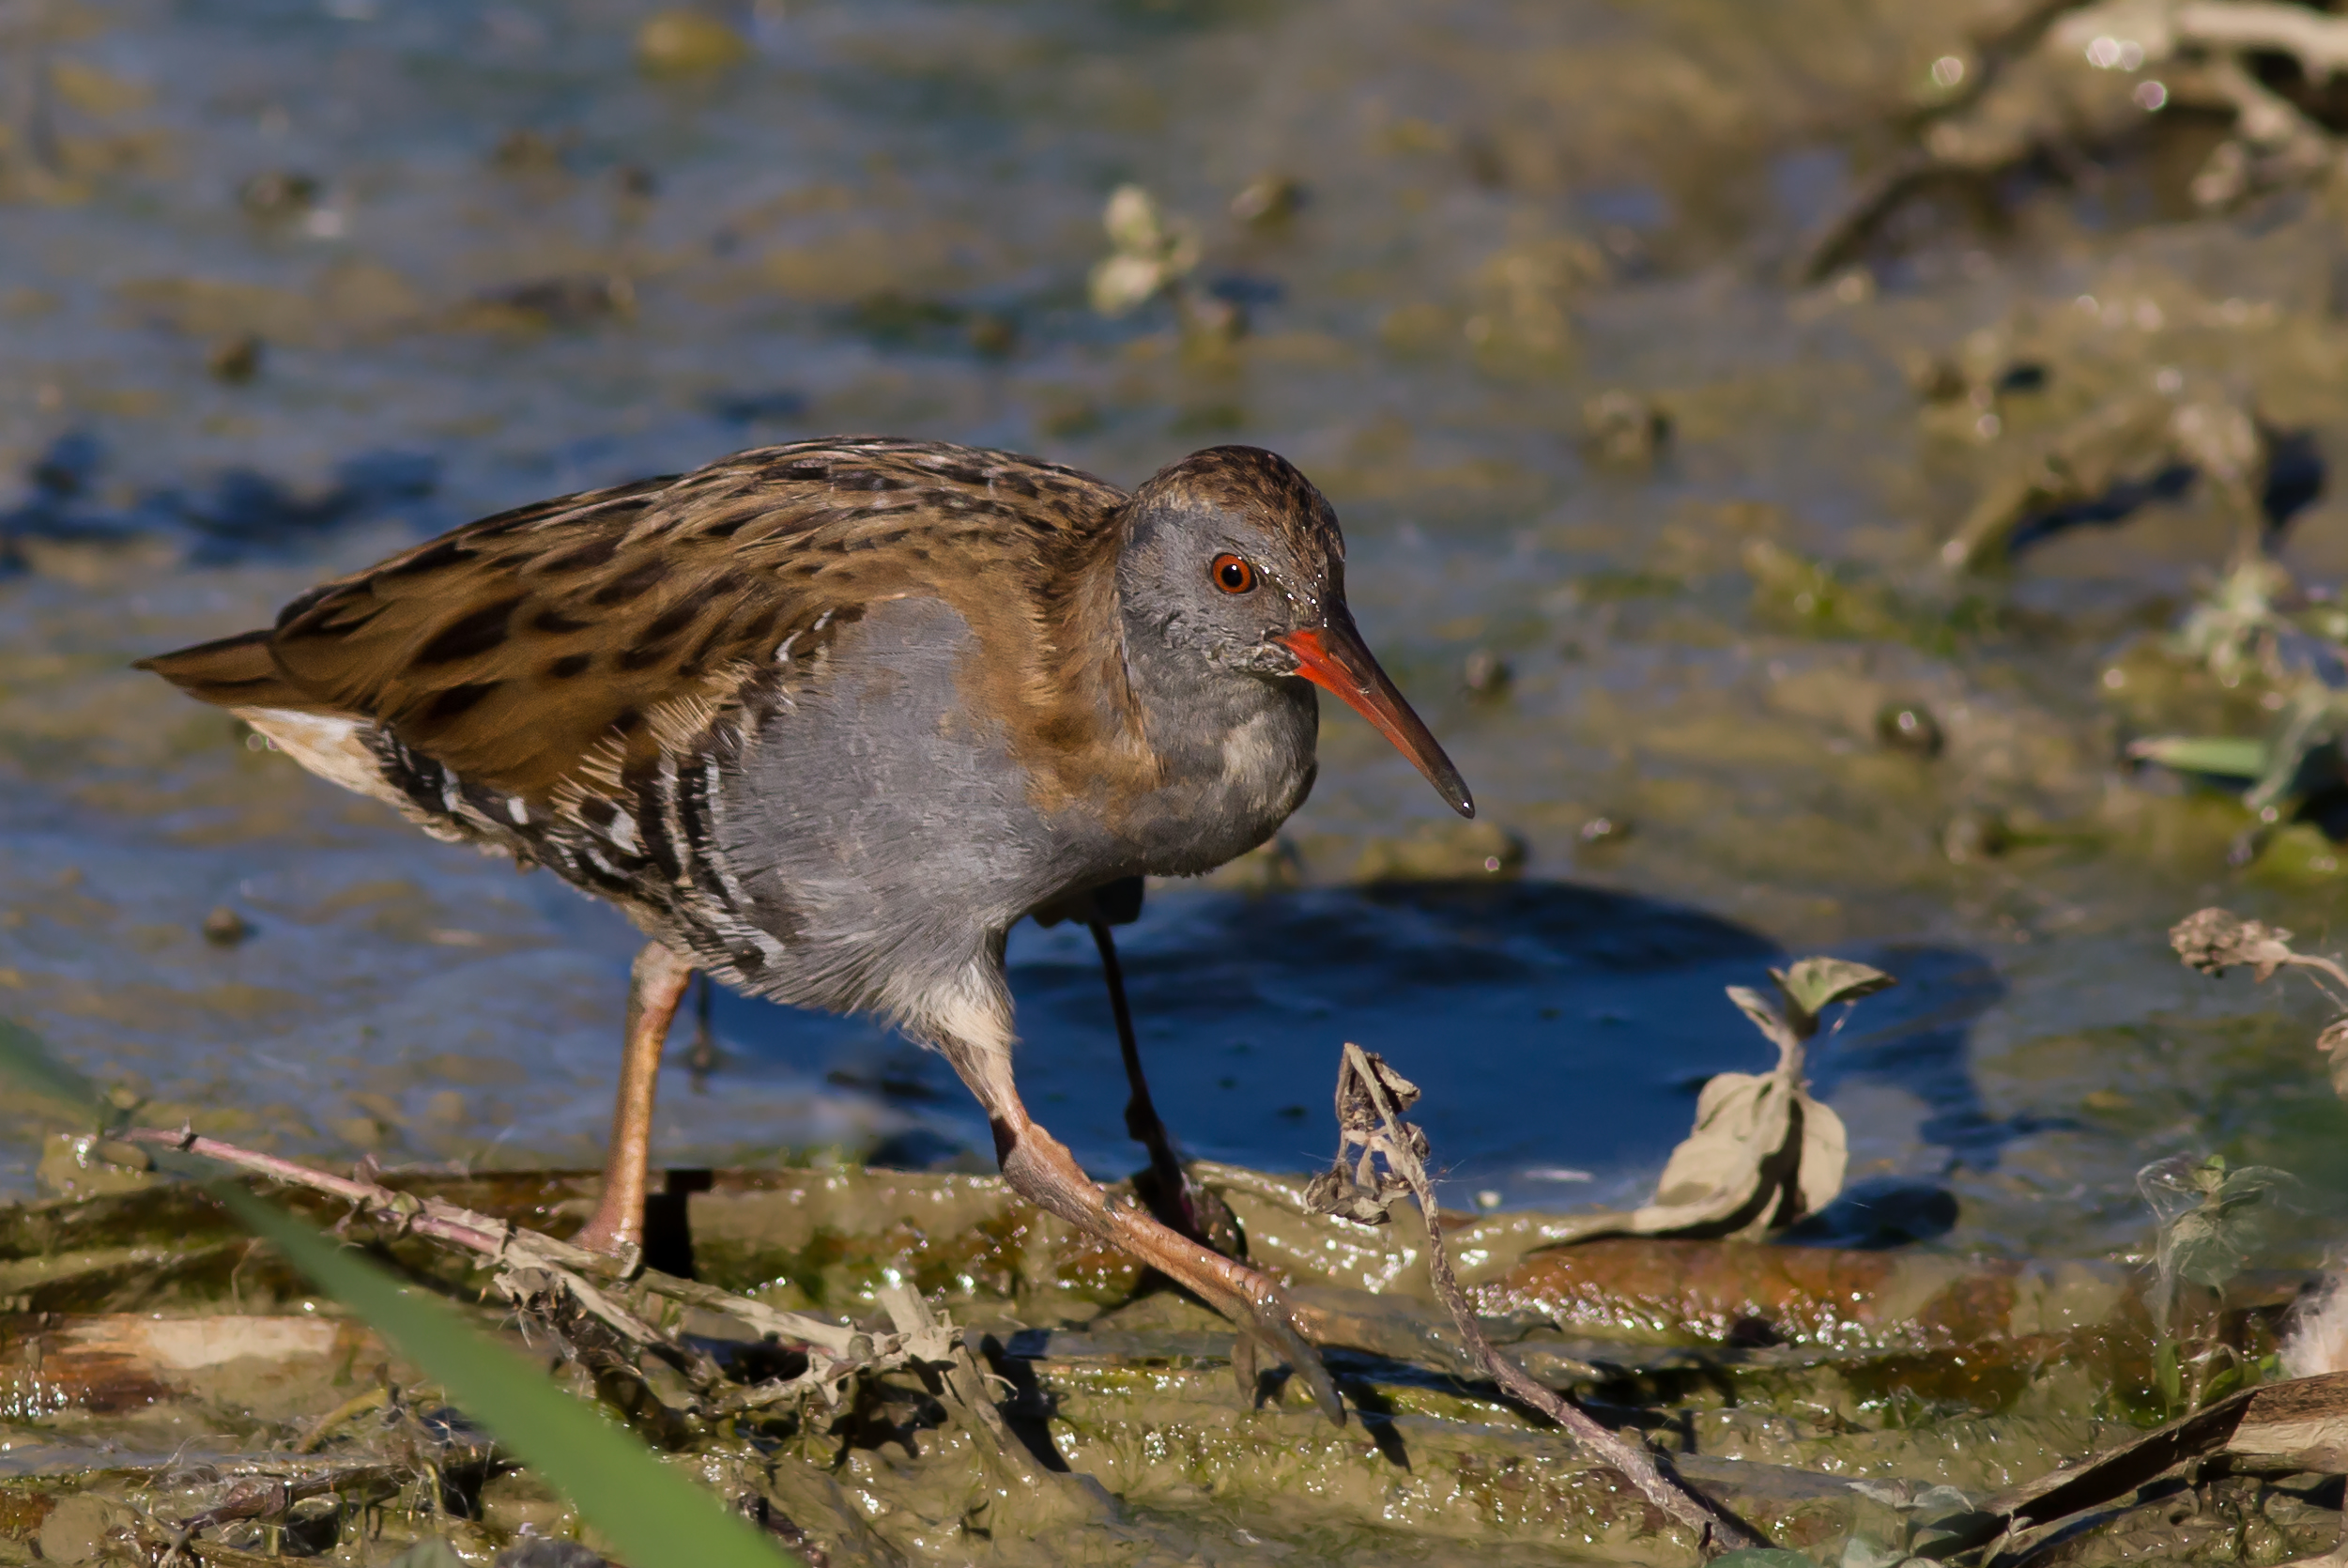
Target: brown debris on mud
[(1825, 1397)]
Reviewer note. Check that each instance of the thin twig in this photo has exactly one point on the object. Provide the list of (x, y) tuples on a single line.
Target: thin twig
[(1839, 241), (1400, 1144), (1994, 51), (317, 1432), (425, 1217), (533, 1266)]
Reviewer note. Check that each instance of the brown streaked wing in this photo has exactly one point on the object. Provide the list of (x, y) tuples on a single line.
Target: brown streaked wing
[(510, 656), (541, 645)]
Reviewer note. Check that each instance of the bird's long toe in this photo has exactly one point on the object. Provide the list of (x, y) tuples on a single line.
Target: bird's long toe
[(1273, 1323), (1255, 1305), (1256, 1308), (1040, 1169)]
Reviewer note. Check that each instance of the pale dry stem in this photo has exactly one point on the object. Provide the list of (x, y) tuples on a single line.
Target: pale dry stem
[(1399, 1142), (532, 1268)]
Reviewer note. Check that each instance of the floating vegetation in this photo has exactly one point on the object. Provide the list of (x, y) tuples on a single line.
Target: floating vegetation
[(1149, 254), (2253, 628)]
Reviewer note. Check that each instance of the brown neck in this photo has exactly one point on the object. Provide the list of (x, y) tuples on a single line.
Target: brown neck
[(1087, 731)]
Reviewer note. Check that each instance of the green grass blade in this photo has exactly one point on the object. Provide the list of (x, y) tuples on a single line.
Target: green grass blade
[(2220, 756), (25, 1062), (654, 1516)]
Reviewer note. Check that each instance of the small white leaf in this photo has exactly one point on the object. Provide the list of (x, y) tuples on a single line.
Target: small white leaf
[(1716, 1173), (1825, 1154), (1132, 222), (1814, 984), (1766, 1018)]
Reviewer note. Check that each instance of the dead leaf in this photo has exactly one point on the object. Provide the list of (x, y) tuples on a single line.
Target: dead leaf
[(1763, 1152), (1357, 1104), (1825, 1157), (1336, 1192), (1366, 1191), (1743, 1172), (1765, 1016), (1737, 1115), (1814, 984), (2214, 939)]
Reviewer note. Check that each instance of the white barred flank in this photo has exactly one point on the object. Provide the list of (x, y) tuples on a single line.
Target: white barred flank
[(648, 849)]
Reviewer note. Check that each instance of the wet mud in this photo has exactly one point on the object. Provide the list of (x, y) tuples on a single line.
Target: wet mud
[(138, 1394)]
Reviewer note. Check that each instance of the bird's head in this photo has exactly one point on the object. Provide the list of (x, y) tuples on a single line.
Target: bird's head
[(1231, 557)]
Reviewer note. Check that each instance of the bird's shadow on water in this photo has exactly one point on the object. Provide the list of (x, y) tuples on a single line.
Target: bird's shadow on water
[(1559, 1033)]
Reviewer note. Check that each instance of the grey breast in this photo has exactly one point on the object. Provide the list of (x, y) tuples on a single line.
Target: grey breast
[(879, 830), (1235, 758), (1231, 783)]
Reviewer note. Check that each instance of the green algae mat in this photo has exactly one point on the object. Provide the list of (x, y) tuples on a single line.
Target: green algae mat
[(165, 1378)]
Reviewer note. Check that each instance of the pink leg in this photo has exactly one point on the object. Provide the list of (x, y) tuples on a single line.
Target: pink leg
[(1040, 1169), (656, 985)]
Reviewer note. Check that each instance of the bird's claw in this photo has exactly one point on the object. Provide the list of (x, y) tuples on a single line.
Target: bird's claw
[(1040, 1169), (1274, 1329)]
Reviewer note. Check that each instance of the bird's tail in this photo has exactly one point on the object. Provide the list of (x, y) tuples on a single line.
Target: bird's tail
[(232, 672)]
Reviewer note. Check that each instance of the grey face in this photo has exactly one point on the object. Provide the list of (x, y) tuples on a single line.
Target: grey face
[(1225, 591), (1234, 563)]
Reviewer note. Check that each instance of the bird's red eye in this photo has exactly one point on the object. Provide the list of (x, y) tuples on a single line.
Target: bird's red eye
[(1232, 573)]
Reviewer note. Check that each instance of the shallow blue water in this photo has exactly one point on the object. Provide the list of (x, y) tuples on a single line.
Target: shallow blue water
[(883, 221)]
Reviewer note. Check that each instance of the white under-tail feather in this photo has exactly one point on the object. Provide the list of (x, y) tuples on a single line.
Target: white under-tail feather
[(329, 745), (2317, 1341)]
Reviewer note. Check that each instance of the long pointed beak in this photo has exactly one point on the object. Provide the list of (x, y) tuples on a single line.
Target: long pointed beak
[(1333, 657)]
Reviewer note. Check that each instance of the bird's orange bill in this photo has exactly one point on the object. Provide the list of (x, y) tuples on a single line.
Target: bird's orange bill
[(1333, 657)]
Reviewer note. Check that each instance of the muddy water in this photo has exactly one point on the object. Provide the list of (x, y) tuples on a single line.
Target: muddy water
[(487, 256)]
